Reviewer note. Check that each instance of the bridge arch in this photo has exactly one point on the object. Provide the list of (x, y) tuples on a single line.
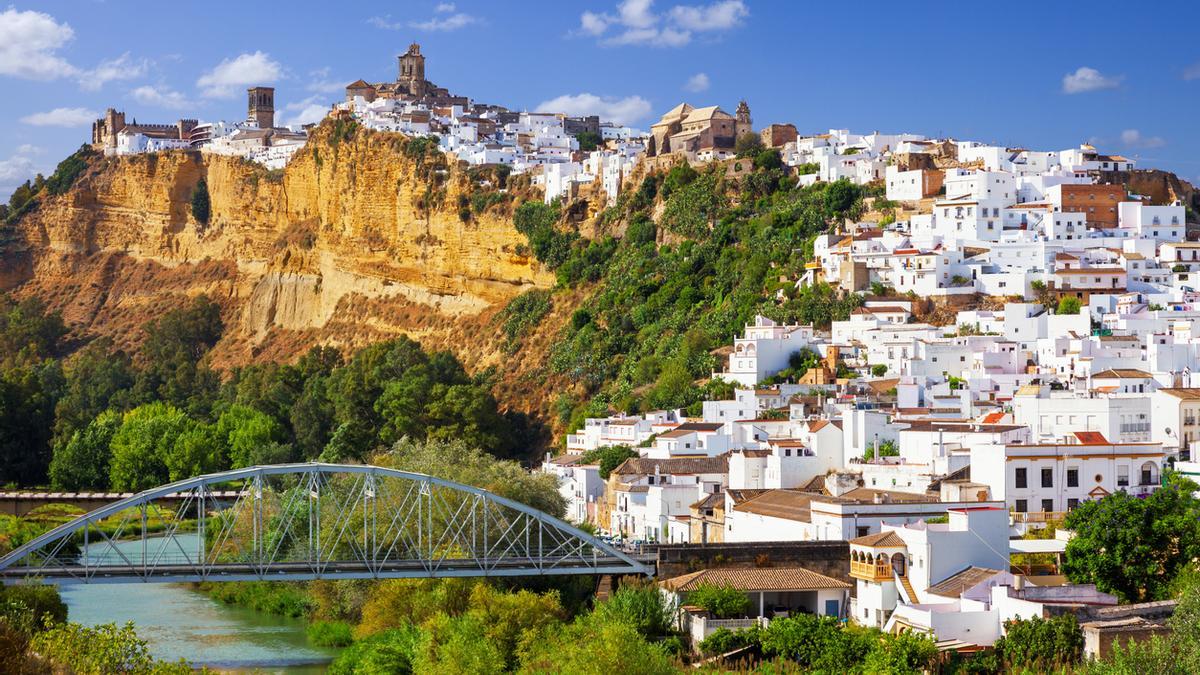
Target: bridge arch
[(311, 521)]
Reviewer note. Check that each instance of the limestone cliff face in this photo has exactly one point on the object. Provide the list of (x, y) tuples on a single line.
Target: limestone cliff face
[(357, 240)]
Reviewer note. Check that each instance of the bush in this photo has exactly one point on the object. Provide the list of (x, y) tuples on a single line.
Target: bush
[(1042, 644), (68, 170), (201, 205), (723, 640), (390, 651), (608, 457), (723, 602), (524, 313), (1068, 305), (330, 633)]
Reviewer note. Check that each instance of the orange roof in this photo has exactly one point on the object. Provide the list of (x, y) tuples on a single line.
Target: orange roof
[(879, 539), (756, 579), (1091, 438)]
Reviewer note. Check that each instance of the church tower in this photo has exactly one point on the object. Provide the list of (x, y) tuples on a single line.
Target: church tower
[(261, 106), (743, 124), (412, 71)]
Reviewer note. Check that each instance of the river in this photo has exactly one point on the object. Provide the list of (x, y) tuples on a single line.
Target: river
[(179, 623)]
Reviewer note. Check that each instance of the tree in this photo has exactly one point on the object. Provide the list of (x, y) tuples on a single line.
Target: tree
[(82, 463), (748, 145), (1135, 547), (886, 449), (28, 331), (598, 643), (141, 446), (248, 433), (818, 643), (608, 457), (454, 460), (879, 370), (723, 602), (201, 205), (28, 394), (640, 606), (173, 353), (588, 140), (1068, 305), (900, 654), (98, 378), (1042, 645)]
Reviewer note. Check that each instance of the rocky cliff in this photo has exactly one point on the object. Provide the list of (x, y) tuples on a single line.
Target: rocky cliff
[(362, 237)]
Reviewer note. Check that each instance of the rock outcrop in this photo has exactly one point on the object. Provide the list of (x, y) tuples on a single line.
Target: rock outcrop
[(363, 236)]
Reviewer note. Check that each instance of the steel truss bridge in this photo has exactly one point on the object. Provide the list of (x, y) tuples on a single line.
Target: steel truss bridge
[(293, 522)]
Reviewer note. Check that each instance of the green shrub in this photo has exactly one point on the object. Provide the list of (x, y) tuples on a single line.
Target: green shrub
[(330, 633), (723, 602), (201, 205), (723, 640)]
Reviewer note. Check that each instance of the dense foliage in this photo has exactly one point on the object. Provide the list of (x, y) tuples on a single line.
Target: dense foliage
[(608, 457), (100, 418), (1135, 547), (201, 203), (644, 337), (723, 602), (1042, 645)]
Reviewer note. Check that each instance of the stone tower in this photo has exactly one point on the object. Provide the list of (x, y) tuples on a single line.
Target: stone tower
[(743, 123), (262, 106), (412, 71)]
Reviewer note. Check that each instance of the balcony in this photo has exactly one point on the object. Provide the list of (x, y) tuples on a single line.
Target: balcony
[(868, 571), (1035, 517)]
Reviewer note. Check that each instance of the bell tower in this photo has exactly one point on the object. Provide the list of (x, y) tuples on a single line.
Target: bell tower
[(412, 71), (261, 107), (743, 124)]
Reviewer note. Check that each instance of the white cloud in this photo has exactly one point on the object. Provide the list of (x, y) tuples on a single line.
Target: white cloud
[(1089, 79), (1134, 139), (18, 168), (636, 23), (322, 83), (1192, 72), (29, 42), (452, 22), (161, 97), (620, 110), (124, 67), (62, 117), (445, 19), (245, 70), (307, 111), (697, 83), (717, 16)]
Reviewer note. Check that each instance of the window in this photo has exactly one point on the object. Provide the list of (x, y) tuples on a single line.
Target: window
[(1047, 505), (1072, 477), (1022, 506), (1122, 476), (1072, 504), (863, 530), (1022, 480), (1047, 478)]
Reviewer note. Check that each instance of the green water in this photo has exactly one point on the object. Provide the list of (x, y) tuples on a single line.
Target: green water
[(179, 623)]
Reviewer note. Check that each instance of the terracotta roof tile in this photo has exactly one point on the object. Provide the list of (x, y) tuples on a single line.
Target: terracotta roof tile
[(756, 579)]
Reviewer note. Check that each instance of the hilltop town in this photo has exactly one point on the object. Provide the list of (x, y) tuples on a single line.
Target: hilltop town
[(1020, 340)]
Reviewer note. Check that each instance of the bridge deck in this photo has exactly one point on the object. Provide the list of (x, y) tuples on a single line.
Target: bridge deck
[(305, 571)]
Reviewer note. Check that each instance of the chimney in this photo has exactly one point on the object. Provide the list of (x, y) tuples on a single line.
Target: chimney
[(1019, 582)]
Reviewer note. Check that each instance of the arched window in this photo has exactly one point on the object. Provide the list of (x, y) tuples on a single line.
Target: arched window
[(1149, 474)]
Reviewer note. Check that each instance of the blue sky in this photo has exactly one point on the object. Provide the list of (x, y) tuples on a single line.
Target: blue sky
[(1039, 74)]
